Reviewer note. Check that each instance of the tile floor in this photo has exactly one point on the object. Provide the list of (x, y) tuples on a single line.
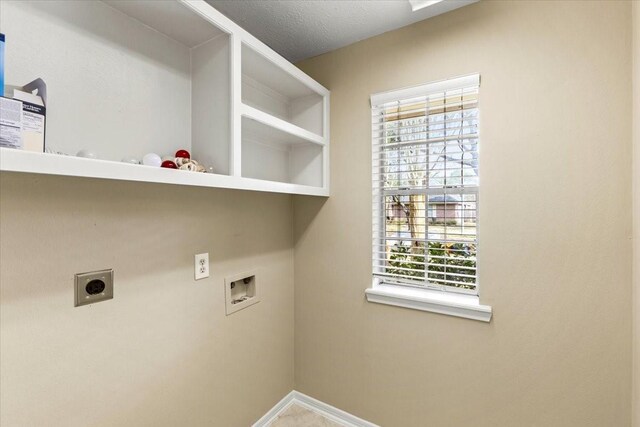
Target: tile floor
[(297, 416)]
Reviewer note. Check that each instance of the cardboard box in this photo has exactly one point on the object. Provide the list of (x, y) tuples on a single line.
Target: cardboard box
[(22, 117)]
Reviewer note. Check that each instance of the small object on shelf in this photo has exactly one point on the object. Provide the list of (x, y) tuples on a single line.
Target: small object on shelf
[(131, 160), (183, 153), (169, 164), (87, 154), (151, 159), (182, 160), (22, 117), (33, 97), (190, 165), (210, 169)]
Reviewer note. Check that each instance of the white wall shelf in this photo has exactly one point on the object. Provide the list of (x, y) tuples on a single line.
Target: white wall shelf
[(140, 77), (52, 164)]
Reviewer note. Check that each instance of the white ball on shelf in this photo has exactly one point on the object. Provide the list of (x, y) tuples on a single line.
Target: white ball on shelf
[(130, 159), (151, 159), (87, 154)]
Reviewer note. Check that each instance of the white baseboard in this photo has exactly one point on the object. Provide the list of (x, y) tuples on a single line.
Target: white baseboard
[(330, 412), (273, 413)]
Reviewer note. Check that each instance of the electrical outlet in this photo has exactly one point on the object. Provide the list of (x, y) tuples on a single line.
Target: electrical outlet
[(93, 287), (202, 266)]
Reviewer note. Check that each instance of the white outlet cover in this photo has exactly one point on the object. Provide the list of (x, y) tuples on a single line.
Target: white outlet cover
[(201, 266)]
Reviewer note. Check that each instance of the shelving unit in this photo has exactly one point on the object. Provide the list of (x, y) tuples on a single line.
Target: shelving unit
[(130, 77)]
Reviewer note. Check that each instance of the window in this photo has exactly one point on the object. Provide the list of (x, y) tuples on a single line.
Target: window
[(425, 186)]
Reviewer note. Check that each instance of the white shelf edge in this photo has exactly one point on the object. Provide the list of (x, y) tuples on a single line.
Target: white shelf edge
[(452, 304), (12, 160), (282, 125)]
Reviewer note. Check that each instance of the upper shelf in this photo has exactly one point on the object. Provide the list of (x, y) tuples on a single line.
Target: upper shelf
[(131, 77), (275, 128), (52, 164)]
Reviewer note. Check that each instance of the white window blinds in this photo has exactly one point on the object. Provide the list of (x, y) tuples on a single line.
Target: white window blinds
[(425, 185)]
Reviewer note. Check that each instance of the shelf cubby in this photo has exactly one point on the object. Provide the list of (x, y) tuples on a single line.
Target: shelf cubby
[(269, 88), (273, 154)]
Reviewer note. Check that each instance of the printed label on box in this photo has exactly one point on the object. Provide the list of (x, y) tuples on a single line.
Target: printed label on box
[(33, 117), (10, 123)]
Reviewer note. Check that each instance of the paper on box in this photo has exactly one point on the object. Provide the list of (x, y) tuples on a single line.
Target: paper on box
[(10, 123)]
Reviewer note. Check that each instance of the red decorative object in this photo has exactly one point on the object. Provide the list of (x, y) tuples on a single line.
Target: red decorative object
[(169, 164), (183, 153)]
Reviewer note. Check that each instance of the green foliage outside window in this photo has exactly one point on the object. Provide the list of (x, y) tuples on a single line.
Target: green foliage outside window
[(444, 263)]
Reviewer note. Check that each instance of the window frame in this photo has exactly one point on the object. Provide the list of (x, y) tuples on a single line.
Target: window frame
[(428, 296)]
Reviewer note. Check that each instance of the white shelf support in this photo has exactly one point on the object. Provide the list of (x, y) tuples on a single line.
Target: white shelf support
[(236, 106), (326, 155)]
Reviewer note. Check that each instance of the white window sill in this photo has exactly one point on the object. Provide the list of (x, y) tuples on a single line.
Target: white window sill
[(452, 304)]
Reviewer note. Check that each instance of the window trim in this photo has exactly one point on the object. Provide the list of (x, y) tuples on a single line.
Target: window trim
[(435, 301), (443, 301)]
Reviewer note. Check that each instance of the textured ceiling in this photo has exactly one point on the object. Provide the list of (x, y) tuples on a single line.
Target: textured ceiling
[(299, 29)]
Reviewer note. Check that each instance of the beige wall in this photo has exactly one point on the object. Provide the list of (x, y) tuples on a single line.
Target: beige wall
[(162, 352), (555, 228), (636, 213)]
